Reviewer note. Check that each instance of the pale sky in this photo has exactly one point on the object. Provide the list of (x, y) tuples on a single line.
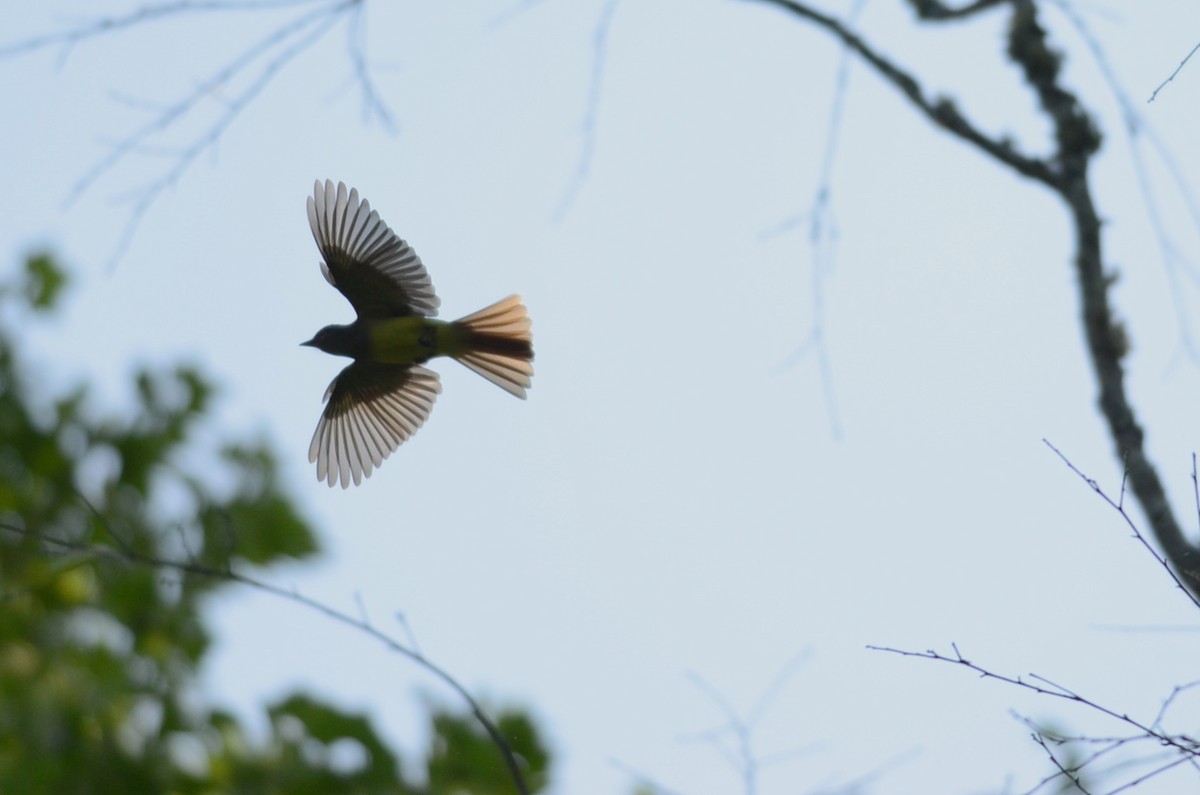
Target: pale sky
[(675, 498)]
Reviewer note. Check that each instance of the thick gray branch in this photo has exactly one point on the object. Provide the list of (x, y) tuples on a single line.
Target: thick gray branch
[(941, 112), (1065, 172)]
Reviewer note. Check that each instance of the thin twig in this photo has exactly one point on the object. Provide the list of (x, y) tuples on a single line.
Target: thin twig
[(941, 112), (1139, 132), (317, 23), (291, 595), (1171, 77), (587, 126), (1045, 687), (1065, 171), (356, 46), (1071, 775), (137, 18), (1120, 509), (254, 68), (822, 237)]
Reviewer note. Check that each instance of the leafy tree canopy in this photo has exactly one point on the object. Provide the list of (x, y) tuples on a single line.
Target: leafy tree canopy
[(99, 648)]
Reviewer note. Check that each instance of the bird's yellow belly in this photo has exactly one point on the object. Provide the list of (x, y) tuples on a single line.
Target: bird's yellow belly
[(404, 340)]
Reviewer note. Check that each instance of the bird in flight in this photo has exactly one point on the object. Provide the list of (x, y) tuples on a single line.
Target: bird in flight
[(381, 398)]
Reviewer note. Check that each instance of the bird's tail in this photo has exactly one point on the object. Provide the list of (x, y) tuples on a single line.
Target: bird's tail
[(496, 343)]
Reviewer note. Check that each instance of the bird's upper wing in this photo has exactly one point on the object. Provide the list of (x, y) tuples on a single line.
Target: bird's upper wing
[(371, 410), (378, 272)]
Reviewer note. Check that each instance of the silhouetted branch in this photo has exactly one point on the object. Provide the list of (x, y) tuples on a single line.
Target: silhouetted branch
[(301, 33), (822, 238), (741, 755), (1066, 173), (1180, 748), (934, 11), (1118, 505), (941, 112), (153, 12), (232, 87), (1070, 773), (1139, 132), (356, 49), (360, 624), (587, 126), (1171, 77)]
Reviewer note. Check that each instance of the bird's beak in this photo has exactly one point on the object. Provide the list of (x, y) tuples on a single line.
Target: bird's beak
[(311, 343)]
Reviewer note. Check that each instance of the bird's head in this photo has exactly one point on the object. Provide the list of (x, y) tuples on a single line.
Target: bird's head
[(338, 340)]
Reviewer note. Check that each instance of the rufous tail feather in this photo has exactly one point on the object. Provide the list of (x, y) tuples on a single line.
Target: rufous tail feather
[(498, 344)]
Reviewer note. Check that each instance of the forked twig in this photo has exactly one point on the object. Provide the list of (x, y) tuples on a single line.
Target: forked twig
[(1118, 505), (361, 624), (1184, 748), (243, 78)]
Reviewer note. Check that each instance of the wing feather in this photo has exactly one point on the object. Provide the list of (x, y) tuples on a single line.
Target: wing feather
[(371, 409), (371, 265)]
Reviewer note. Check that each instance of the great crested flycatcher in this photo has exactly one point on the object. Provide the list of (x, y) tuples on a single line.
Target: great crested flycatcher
[(384, 395)]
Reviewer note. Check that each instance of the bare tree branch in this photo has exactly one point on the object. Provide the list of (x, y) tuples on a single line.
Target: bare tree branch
[(361, 624), (146, 14), (302, 33), (1171, 77), (941, 112), (742, 757), (822, 237), (1070, 773), (1141, 135), (231, 88), (1066, 173), (587, 126), (356, 50), (1180, 748), (935, 11), (1118, 505)]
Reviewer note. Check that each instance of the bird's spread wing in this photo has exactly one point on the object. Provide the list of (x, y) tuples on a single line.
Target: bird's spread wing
[(378, 272), (371, 410)]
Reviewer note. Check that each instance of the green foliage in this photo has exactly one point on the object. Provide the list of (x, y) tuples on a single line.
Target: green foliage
[(99, 649), (464, 759), (43, 281)]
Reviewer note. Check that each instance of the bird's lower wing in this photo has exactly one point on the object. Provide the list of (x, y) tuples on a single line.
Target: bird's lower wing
[(371, 410)]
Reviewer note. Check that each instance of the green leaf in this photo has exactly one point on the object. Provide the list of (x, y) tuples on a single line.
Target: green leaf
[(44, 280)]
